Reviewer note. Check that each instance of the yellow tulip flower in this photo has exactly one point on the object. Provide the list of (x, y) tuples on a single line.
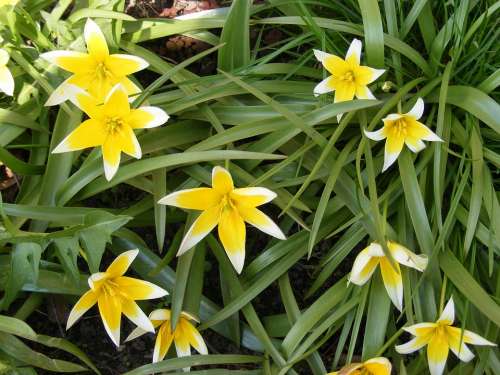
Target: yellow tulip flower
[(116, 294), (110, 126), (440, 337), (373, 366), (368, 259), (227, 207), (184, 335), (6, 79), (400, 129), (96, 71), (348, 78)]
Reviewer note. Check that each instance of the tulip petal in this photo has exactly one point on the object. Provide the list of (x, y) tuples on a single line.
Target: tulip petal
[(418, 130), (65, 91), (353, 55), (378, 366), (406, 257), (124, 65), (163, 342), (128, 142), (89, 133), (393, 147), (111, 158), (137, 289), (136, 332), (412, 345), (377, 135), (474, 339), (193, 199), (417, 110), (193, 336), (344, 91), (437, 353), (393, 282), (363, 267), (86, 301), (6, 81), (253, 196), (146, 117), (96, 280), (415, 145), (421, 329), (122, 263), (363, 92), (133, 312), (95, 40), (86, 102), (324, 87), (71, 61), (232, 234), (131, 88), (116, 103), (222, 180), (448, 314), (200, 228), (182, 346), (160, 315), (457, 345), (110, 309), (321, 56), (260, 220)]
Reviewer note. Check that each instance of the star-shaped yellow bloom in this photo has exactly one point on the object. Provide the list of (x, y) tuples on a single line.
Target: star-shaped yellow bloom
[(400, 129), (348, 78), (116, 294), (96, 71), (185, 335), (368, 259), (440, 337), (227, 207), (111, 126), (373, 366), (6, 79)]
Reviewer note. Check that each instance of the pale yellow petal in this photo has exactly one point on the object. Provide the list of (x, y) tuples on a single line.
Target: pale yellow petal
[(207, 221), (418, 130), (222, 180), (163, 342), (193, 336), (437, 353), (116, 103), (421, 329), (86, 301), (412, 345), (393, 146), (260, 220), (393, 282), (253, 196), (89, 133), (124, 65), (378, 366), (6, 81), (363, 267), (344, 91), (193, 199), (457, 344), (406, 257), (89, 105), (110, 309), (448, 314), (232, 234), (137, 289), (71, 61), (325, 86), (121, 263), (474, 339), (133, 312), (96, 42), (111, 152), (146, 117)]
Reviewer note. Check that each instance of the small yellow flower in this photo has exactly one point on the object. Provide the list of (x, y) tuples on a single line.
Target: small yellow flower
[(348, 78), (400, 129), (440, 337), (227, 207), (96, 71), (184, 335), (368, 259), (373, 366), (116, 294), (111, 126), (6, 79)]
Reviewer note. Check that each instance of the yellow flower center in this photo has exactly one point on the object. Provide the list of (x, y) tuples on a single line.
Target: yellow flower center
[(113, 124), (398, 127), (102, 71), (227, 203), (347, 76)]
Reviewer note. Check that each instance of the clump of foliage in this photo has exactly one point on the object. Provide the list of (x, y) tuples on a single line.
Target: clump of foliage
[(346, 153)]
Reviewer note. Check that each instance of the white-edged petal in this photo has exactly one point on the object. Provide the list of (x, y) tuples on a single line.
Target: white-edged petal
[(323, 87), (474, 339), (6, 81), (160, 314), (411, 346), (65, 91), (406, 257), (363, 268), (320, 55), (203, 225), (463, 353), (132, 311), (354, 50), (416, 147), (86, 301), (389, 159), (393, 117), (376, 135), (376, 74), (418, 109), (448, 314), (137, 332), (254, 196), (420, 328), (159, 116)]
